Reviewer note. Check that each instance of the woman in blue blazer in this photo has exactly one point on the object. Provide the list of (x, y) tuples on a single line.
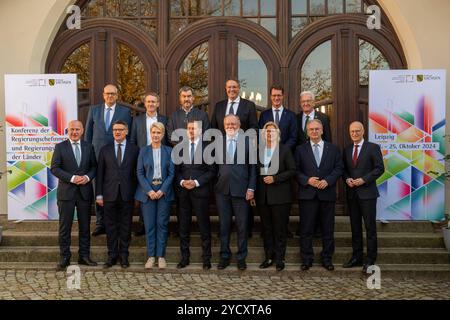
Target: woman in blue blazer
[(155, 172)]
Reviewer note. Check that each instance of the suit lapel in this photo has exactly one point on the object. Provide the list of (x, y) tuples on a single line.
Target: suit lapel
[(69, 150), (362, 153), (311, 154), (324, 154)]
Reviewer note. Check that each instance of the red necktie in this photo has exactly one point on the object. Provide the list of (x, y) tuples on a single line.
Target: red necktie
[(355, 155)]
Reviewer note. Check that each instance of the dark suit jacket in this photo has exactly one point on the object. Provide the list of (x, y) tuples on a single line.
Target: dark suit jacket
[(145, 173), (326, 136), (279, 192), (370, 167), (203, 173), (330, 169), (64, 167), (139, 131), (96, 132), (236, 179), (179, 120), (246, 113), (110, 176), (288, 126)]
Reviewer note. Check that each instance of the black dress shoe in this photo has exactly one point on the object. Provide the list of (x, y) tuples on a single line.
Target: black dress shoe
[(86, 261), (266, 263), (206, 265), (280, 266), (242, 265), (109, 263), (352, 263), (183, 263), (223, 264), (328, 266), (63, 264), (124, 263), (98, 231), (305, 266)]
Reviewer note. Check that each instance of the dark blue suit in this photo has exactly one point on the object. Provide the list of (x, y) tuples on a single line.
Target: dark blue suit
[(156, 213), (288, 126), (139, 132), (314, 202)]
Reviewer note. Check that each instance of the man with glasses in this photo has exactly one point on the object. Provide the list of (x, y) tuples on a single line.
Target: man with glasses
[(99, 132), (307, 113)]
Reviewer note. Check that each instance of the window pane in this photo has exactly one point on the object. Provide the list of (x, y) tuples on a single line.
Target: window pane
[(268, 8), (232, 7), (149, 26), (316, 72), (93, 9), (214, 8), (149, 8), (270, 24), (298, 24), (79, 62), (252, 74), (130, 8), (353, 6), (112, 8), (370, 58), (335, 6), (317, 7), (194, 73), (299, 7), (250, 7), (131, 75)]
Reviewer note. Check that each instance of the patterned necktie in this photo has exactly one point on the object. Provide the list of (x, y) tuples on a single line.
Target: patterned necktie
[(355, 155), (231, 111), (317, 154), (119, 154), (277, 116), (306, 124), (108, 118), (77, 153)]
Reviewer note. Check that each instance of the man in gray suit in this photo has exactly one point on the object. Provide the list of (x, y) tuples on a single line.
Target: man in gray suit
[(99, 132), (236, 184)]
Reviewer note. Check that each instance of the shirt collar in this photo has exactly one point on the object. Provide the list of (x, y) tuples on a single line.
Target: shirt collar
[(280, 108), (360, 143), (182, 109), (155, 117), (113, 108), (236, 101), (233, 138), (321, 143), (72, 142), (195, 142), (124, 143), (311, 114)]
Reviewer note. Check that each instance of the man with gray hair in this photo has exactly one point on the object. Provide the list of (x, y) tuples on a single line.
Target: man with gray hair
[(307, 113)]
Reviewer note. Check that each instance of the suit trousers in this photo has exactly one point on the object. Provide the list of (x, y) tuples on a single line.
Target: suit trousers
[(118, 218), (227, 206), (66, 211), (200, 206), (367, 210), (156, 214), (309, 210), (275, 220)]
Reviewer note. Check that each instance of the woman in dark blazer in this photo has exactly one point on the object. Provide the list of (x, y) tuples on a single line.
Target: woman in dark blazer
[(274, 194), (155, 172)]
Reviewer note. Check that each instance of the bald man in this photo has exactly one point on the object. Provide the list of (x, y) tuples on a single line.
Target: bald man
[(363, 165)]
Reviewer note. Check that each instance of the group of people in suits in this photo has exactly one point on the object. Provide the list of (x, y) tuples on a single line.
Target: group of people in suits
[(136, 161)]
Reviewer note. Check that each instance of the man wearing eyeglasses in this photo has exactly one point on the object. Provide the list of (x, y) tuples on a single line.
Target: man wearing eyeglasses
[(99, 132)]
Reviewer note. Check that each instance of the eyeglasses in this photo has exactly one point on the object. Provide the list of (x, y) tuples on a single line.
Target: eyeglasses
[(109, 93), (118, 130), (306, 101)]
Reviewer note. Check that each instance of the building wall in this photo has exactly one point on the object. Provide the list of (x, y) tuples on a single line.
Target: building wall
[(28, 27)]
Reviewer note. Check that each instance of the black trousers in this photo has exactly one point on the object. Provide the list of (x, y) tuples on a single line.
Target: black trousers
[(309, 210), (200, 206), (367, 210), (275, 220), (66, 211), (118, 216)]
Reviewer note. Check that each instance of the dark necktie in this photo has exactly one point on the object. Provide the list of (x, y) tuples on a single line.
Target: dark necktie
[(192, 152), (119, 154), (277, 117), (231, 108), (355, 155), (77, 153), (306, 124)]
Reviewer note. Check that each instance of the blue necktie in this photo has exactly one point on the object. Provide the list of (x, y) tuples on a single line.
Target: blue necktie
[(77, 153), (230, 151), (277, 117), (317, 154), (108, 118)]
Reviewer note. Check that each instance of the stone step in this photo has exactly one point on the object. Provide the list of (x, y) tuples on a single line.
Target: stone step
[(415, 271), (342, 239), (138, 254), (342, 224)]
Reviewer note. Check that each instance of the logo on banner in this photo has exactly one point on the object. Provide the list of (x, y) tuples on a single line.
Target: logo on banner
[(51, 82)]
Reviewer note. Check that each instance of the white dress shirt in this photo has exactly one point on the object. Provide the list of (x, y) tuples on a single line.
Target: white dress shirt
[(235, 105), (72, 143), (149, 121), (321, 145), (311, 116), (113, 109), (360, 144)]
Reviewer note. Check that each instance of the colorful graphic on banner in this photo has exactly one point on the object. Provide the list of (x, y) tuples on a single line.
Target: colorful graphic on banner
[(38, 108), (407, 119)]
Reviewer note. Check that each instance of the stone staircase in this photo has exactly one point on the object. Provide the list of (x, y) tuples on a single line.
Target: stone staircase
[(406, 249)]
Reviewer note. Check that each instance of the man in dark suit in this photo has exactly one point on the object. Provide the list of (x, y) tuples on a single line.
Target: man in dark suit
[(74, 164), (363, 165), (186, 113), (236, 183), (243, 108), (116, 185), (307, 113), (319, 166), (193, 179), (284, 118), (140, 134), (99, 132)]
